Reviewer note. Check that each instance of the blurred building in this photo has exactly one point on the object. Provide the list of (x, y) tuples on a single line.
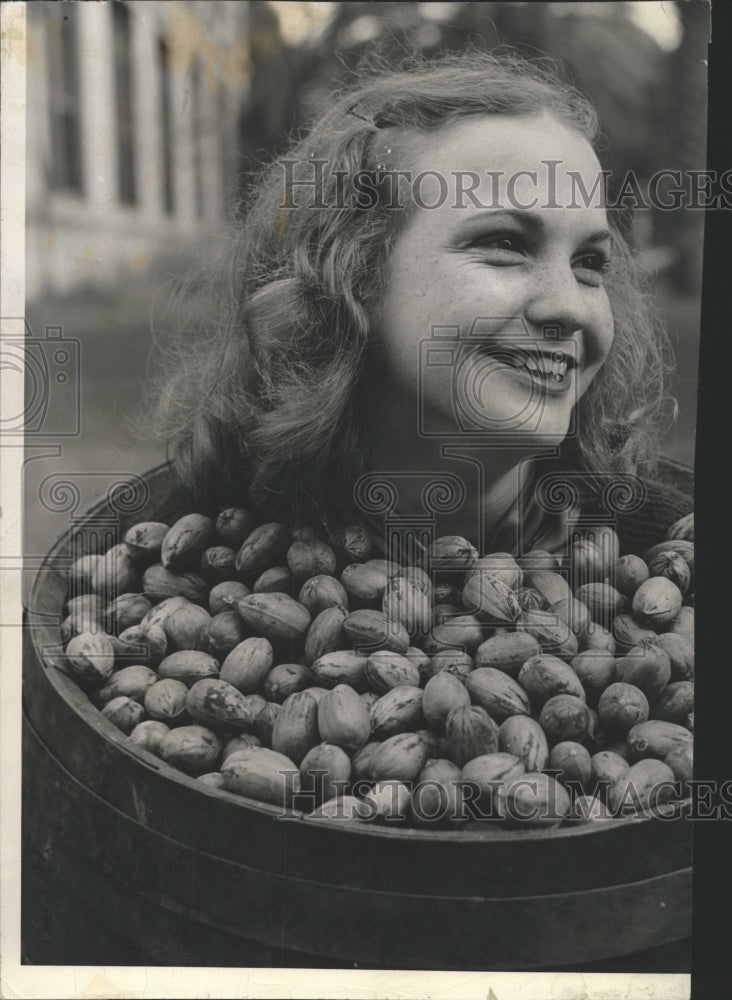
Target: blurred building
[(132, 133)]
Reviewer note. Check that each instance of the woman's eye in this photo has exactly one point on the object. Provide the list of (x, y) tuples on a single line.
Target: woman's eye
[(506, 246), (593, 265)]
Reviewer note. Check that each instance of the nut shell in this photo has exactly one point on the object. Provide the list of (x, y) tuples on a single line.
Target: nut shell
[(508, 651), (124, 713), (225, 632), (365, 584), (233, 525), (149, 735), (673, 567), (498, 564), (544, 676), (275, 616), (262, 774), (682, 530), (188, 666), (524, 738), (622, 706), (325, 634), (144, 644), (165, 701), (458, 632), (262, 547), (115, 573), (321, 592), (214, 703), (218, 564), (406, 602), (284, 679), (488, 772), (646, 786), (187, 627), (400, 758), (308, 559), (325, 769), (565, 717), (655, 738), (370, 630), (160, 583), (470, 732), (572, 761), (90, 656), (296, 727), (451, 661), (186, 541), (248, 663), (342, 666), (145, 540), (343, 719), (533, 800), (595, 669), (125, 611), (675, 703), (385, 670), (351, 542), (487, 595), (193, 749), (607, 768), (443, 693), (397, 711), (647, 666), (132, 682), (275, 580), (451, 552), (500, 695), (657, 602), (628, 573)]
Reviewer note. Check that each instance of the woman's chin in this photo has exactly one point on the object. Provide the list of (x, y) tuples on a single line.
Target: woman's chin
[(545, 436)]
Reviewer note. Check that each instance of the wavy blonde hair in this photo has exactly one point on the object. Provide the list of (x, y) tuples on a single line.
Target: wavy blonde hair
[(265, 405)]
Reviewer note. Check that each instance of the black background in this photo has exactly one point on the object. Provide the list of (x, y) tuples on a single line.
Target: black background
[(712, 928)]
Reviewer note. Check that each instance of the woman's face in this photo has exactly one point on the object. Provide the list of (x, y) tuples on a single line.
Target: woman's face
[(495, 318)]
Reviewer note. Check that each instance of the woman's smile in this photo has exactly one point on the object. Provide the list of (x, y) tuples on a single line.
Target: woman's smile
[(552, 368)]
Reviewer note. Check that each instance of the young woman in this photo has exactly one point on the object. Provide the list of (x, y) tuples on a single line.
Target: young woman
[(432, 315)]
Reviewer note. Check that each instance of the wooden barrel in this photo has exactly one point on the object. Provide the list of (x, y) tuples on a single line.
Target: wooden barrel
[(184, 874)]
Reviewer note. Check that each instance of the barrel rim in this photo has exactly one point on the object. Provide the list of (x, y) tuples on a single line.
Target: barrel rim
[(325, 896)]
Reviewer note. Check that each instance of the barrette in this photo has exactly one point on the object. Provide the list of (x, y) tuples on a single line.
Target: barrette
[(357, 114)]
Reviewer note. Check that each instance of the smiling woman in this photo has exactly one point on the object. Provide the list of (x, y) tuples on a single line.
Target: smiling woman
[(533, 278), (372, 332)]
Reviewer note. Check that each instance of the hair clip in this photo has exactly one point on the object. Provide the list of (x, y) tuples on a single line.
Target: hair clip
[(356, 114)]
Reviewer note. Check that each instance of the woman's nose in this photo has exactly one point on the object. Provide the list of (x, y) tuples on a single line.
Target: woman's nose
[(557, 302)]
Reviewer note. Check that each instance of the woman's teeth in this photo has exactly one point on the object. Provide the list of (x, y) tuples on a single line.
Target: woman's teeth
[(547, 368), (540, 366)]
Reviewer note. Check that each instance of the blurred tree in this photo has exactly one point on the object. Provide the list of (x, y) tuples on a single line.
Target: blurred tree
[(685, 131), (279, 73), (619, 66), (650, 101)]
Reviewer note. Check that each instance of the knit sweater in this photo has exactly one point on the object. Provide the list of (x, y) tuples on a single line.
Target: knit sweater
[(663, 505), (647, 524)]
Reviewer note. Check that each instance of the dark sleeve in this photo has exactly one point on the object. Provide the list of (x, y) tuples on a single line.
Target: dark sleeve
[(648, 525)]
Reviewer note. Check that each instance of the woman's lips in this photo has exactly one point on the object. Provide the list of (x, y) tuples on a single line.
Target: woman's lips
[(550, 370)]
